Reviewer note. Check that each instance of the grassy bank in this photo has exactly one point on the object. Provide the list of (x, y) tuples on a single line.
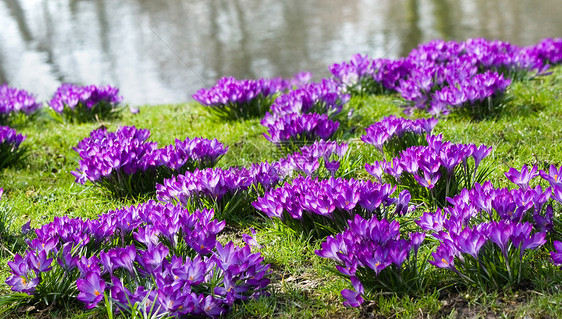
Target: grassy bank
[(303, 285)]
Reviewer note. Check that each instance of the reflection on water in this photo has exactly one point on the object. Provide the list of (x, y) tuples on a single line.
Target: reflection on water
[(159, 51)]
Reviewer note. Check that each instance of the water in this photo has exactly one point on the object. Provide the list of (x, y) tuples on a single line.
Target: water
[(159, 51)]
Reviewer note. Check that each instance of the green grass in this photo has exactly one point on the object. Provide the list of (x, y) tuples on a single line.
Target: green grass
[(302, 286)]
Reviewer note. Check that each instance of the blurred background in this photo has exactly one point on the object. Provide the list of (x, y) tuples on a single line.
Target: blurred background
[(161, 51)]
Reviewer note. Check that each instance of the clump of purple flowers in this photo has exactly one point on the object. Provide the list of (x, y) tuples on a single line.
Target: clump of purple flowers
[(14, 101), (363, 75), (372, 254), (189, 154), (439, 89), (304, 115), (228, 191), (333, 155), (539, 197), (433, 172), (321, 98), (487, 236), (440, 77), (478, 95), (127, 164), (159, 258), (292, 131), (503, 57), (10, 150), (233, 99), (322, 207), (86, 103), (469, 77), (548, 50), (393, 134)]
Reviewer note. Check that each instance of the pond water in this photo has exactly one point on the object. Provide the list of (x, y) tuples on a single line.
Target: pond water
[(159, 51)]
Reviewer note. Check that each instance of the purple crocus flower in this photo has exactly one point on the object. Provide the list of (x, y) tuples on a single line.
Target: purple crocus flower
[(556, 255), (444, 257), (391, 129), (195, 271), (429, 180), (521, 178), (479, 153), (402, 204), (432, 221), (106, 259), (10, 142), (125, 257), (469, 241), (39, 261), (25, 228), (211, 306), (23, 283), (301, 128), (151, 259), (500, 234), (416, 239), (377, 169), (554, 176), (534, 241), (398, 251), (20, 265), (353, 298), (377, 260), (332, 167), (66, 260), (336, 247), (544, 223), (91, 289)]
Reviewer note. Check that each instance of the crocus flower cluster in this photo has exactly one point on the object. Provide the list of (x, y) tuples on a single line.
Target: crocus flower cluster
[(548, 50), (159, 258), (395, 134), (309, 158), (10, 150), (440, 76), (541, 221), (468, 75), (363, 75), (486, 55), (86, 103), (523, 179), (227, 191), (304, 115), (504, 57), (234, 99), (372, 254), (322, 207), (293, 130), (434, 172), (456, 86), (189, 154), (553, 177), (485, 235), (322, 98), (475, 94), (13, 100), (126, 163)]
